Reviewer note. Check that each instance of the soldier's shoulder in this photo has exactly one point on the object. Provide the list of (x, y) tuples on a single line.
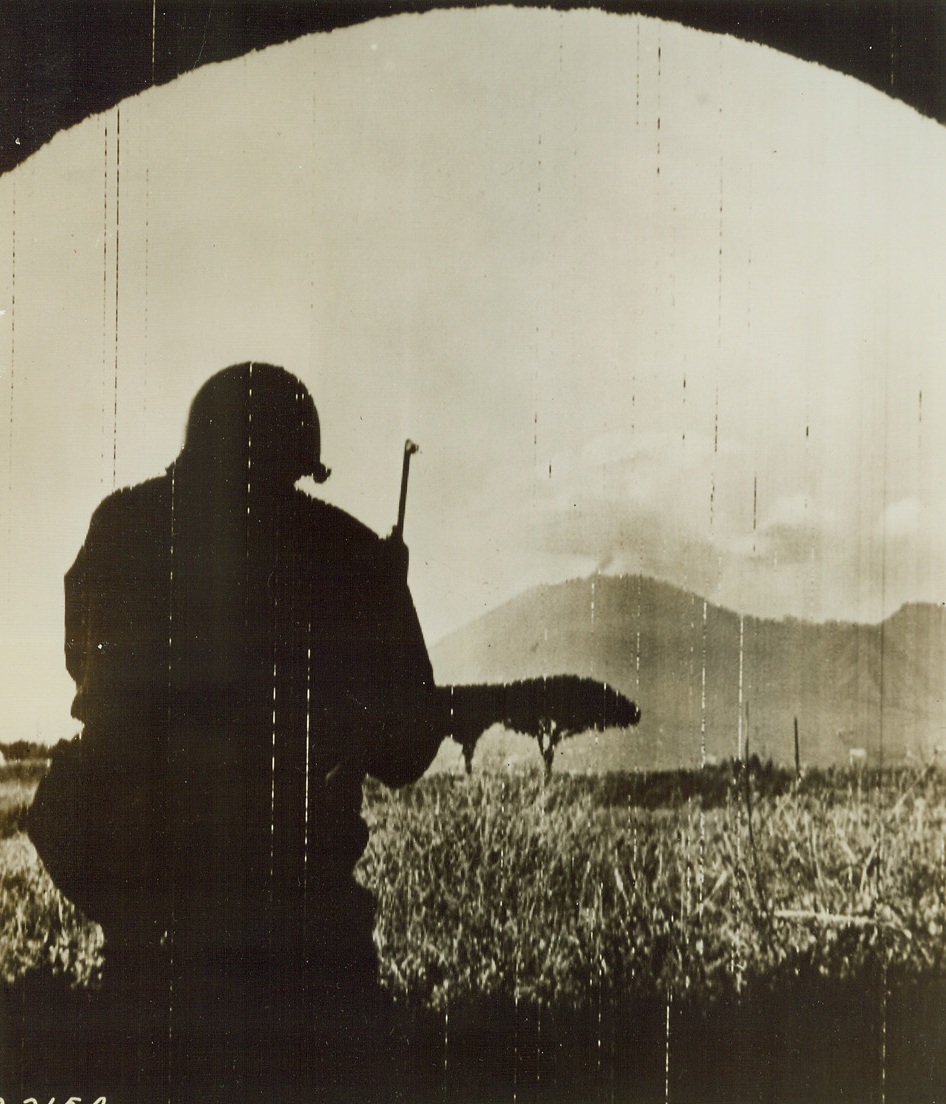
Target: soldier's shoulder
[(341, 525), (130, 506), (333, 536), (133, 499)]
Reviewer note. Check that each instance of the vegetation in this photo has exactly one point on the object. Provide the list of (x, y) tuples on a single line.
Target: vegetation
[(547, 709), (42, 931), (609, 900), (20, 750), (576, 890), (18, 781), (552, 890)]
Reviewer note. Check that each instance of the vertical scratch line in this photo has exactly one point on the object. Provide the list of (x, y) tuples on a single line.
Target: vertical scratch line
[(446, 1042), (659, 68), (118, 125), (736, 964), (741, 658), (105, 229), (147, 261), (667, 1049), (703, 689), (719, 308), (515, 1031), (538, 328), (171, 770), (12, 395), (701, 876), (640, 615), (272, 808), (883, 1036), (308, 744), (721, 194), (12, 350), (313, 212)]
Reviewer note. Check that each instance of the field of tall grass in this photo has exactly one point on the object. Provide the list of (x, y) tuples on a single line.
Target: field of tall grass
[(650, 924), (581, 890)]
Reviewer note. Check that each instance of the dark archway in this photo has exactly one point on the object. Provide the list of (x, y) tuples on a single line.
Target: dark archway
[(60, 62)]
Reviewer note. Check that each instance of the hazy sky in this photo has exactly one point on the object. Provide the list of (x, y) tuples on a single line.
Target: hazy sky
[(648, 299)]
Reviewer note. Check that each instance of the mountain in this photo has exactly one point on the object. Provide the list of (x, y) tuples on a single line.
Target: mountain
[(704, 677)]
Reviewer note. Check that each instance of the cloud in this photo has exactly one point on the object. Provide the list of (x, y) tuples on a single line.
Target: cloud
[(688, 513), (902, 519), (795, 529), (644, 503), (592, 498)]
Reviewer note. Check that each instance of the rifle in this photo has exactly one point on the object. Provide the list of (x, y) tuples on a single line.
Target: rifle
[(546, 708), (342, 774), (397, 533)]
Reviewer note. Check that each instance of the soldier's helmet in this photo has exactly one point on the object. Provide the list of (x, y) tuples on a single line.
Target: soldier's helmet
[(258, 417)]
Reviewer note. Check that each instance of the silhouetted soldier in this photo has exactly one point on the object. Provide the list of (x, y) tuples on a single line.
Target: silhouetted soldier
[(243, 654)]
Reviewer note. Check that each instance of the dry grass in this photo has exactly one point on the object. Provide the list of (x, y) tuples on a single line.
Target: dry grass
[(576, 891), (564, 894)]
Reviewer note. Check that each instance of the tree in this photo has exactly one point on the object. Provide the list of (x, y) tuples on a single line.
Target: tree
[(548, 709), (24, 749)]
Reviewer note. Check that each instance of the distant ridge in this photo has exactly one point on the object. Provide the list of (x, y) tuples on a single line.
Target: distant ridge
[(881, 687)]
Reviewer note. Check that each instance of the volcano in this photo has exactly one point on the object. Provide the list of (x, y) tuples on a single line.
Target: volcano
[(710, 682)]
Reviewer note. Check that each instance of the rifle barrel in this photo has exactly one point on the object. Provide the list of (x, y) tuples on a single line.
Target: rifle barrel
[(409, 449)]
